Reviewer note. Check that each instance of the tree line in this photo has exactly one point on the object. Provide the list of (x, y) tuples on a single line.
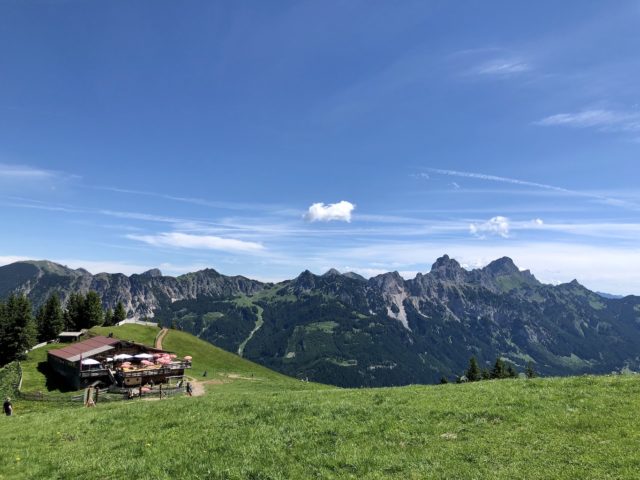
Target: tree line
[(21, 328), (501, 369)]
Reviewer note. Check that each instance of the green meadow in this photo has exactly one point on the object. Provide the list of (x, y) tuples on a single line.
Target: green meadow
[(252, 423)]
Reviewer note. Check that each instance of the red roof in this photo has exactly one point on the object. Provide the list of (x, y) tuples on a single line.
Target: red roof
[(86, 348)]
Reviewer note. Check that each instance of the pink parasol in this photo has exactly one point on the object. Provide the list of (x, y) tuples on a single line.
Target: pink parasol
[(173, 355)]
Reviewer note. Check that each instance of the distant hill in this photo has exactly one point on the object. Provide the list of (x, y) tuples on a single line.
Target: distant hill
[(609, 295), (346, 330)]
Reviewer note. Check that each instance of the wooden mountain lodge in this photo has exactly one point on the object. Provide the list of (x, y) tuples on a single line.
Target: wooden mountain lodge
[(114, 361)]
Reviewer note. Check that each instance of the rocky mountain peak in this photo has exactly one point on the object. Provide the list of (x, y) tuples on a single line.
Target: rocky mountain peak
[(331, 273), (502, 266), (305, 281), (390, 283), (354, 276), (446, 268), (153, 273)]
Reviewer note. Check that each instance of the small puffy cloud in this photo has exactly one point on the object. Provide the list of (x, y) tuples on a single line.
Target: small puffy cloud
[(319, 212), (200, 242), (495, 226), (538, 222)]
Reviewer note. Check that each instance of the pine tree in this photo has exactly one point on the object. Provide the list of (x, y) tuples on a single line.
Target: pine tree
[(19, 329), (486, 374), (40, 323), (511, 371), (108, 318), (530, 371), (94, 315), (473, 372), (443, 380), (50, 319), (119, 313), (3, 332), (499, 369), (74, 314)]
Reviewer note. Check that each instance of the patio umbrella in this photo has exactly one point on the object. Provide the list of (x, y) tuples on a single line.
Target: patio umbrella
[(122, 356), (143, 355), (90, 361)]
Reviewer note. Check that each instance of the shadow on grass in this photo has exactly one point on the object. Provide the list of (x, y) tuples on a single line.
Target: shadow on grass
[(54, 381)]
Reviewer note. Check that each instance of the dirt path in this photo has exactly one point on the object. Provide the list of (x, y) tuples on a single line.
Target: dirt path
[(160, 337), (198, 386)]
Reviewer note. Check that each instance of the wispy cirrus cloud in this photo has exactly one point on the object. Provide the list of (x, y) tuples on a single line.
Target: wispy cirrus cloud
[(199, 242), (605, 199), (17, 172), (607, 120), (21, 174), (503, 67), (195, 201), (491, 178)]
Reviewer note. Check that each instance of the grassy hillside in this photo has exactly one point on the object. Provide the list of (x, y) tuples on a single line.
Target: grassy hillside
[(272, 427), (549, 428), (218, 363)]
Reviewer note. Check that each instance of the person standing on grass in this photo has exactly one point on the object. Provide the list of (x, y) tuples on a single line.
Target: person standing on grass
[(8, 408), (189, 389)]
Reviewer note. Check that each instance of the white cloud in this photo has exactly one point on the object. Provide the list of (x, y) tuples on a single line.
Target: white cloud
[(607, 120), (503, 67), (7, 259), (18, 172), (341, 211), (494, 226), (543, 186), (201, 242)]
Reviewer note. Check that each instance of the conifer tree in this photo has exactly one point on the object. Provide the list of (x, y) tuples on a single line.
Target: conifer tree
[(94, 315), (50, 319), (3, 332), (499, 370), (511, 371), (74, 314), (19, 329), (530, 371), (473, 372), (443, 380), (108, 318), (119, 314)]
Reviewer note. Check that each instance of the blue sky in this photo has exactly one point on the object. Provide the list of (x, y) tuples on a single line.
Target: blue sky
[(264, 138)]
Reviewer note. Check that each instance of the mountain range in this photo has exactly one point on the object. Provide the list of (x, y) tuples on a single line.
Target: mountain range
[(346, 330)]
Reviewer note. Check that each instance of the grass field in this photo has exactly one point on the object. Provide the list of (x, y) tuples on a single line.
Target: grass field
[(272, 427)]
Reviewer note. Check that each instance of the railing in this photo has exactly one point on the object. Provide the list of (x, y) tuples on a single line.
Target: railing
[(97, 372), (156, 371)]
